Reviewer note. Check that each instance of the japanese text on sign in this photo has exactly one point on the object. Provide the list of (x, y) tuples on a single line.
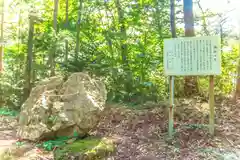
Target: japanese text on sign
[(192, 56)]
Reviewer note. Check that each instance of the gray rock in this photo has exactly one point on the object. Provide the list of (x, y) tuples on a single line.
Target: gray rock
[(58, 108)]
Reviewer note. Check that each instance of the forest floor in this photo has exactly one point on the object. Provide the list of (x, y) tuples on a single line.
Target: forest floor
[(7, 131), (141, 134)]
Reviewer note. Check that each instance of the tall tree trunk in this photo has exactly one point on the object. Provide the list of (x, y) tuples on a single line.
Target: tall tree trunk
[(34, 71), (108, 38), (78, 28), (53, 52), (29, 59), (173, 24), (190, 83), (55, 15), (66, 14), (1, 45), (19, 29), (124, 48), (66, 27)]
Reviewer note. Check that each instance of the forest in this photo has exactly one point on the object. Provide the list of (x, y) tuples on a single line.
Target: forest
[(56, 55)]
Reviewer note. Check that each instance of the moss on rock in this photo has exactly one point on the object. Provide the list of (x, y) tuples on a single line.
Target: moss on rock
[(91, 148)]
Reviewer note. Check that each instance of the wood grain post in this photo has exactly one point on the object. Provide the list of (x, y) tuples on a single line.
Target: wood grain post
[(211, 105)]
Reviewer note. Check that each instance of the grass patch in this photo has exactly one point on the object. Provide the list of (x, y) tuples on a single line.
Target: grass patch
[(83, 145), (8, 112), (90, 148)]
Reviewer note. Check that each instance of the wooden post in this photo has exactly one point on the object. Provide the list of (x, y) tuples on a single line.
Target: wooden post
[(171, 107), (211, 104)]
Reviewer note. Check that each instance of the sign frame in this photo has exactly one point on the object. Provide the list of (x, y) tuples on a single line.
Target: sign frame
[(210, 72), (192, 56)]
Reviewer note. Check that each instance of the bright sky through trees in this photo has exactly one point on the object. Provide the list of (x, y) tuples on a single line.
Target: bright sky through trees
[(217, 6), (222, 6)]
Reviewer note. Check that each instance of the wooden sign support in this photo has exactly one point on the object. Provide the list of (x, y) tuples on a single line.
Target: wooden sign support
[(211, 105), (171, 107), (192, 56)]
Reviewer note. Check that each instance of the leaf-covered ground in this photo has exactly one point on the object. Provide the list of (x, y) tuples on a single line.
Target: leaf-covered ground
[(7, 131), (141, 134)]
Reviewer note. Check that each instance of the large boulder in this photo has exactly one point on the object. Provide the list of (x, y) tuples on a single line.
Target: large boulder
[(62, 108)]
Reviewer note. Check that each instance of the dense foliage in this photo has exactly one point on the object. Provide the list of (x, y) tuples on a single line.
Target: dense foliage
[(119, 41)]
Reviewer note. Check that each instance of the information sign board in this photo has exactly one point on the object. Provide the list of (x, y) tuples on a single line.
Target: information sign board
[(192, 56)]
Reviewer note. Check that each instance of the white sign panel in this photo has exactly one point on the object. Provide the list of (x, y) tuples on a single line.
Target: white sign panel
[(192, 56)]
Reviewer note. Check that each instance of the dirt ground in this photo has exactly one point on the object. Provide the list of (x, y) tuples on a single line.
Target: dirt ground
[(7, 131), (141, 134)]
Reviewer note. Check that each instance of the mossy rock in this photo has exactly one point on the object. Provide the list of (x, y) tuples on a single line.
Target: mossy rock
[(91, 148)]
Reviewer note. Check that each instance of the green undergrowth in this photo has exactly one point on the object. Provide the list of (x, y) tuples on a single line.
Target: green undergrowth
[(8, 112), (91, 148), (58, 142), (83, 145), (51, 144)]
